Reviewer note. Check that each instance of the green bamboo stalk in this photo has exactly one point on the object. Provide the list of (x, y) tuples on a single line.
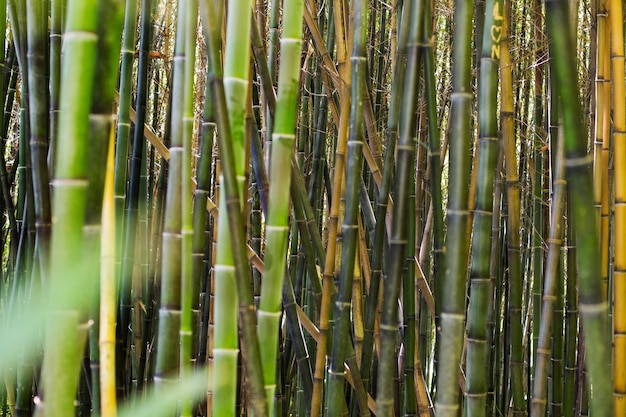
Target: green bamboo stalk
[(251, 353), (189, 288), (272, 59), (457, 217), (168, 342), (571, 324), (64, 346), (283, 138), (38, 112), (101, 124), (200, 221), (378, 250), (557, 341), (409, 391), (434, 158), (56, 37), (225, 345), (481, 302), (592, 304), (7, 83), (494, 265), (404, 173), (123, 118)]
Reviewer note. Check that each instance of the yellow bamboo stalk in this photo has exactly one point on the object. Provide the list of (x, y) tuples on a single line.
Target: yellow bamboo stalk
[(606, 136), (333, 219), (598, 171), (108, 309), (619, 143), (602, 132)]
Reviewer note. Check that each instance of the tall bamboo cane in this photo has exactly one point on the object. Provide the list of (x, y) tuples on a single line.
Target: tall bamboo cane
[(333, 217), (592, 305), (378, 244), (555, 239), (481, 298), (277, 227), (513, 238), (189, 286), (619, 143), (132, 202), (456, 252), (405, 170), (64, 347), (56, 16), (108, 293), (225, 345), (251, 354), (168, 354), (38, 112), (101, 128), (123, 118), (341, 334)]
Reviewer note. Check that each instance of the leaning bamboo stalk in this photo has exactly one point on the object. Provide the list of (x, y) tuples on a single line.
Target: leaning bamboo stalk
[(555, 241), (537, 181), (592, 303), (64, 344)]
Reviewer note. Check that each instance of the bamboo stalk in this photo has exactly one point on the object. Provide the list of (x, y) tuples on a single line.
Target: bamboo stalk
[(276, 229), (592, 304), (513, 239), (341, 315), (619, 148), (555, 241), (481, 301), (64, 341), (456, 252), (108, 294)]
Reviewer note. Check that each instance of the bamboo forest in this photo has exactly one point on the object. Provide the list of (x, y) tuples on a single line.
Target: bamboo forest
[(279, 208)]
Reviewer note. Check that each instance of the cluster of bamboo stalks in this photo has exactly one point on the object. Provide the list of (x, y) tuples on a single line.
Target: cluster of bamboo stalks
[(306, 207)]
